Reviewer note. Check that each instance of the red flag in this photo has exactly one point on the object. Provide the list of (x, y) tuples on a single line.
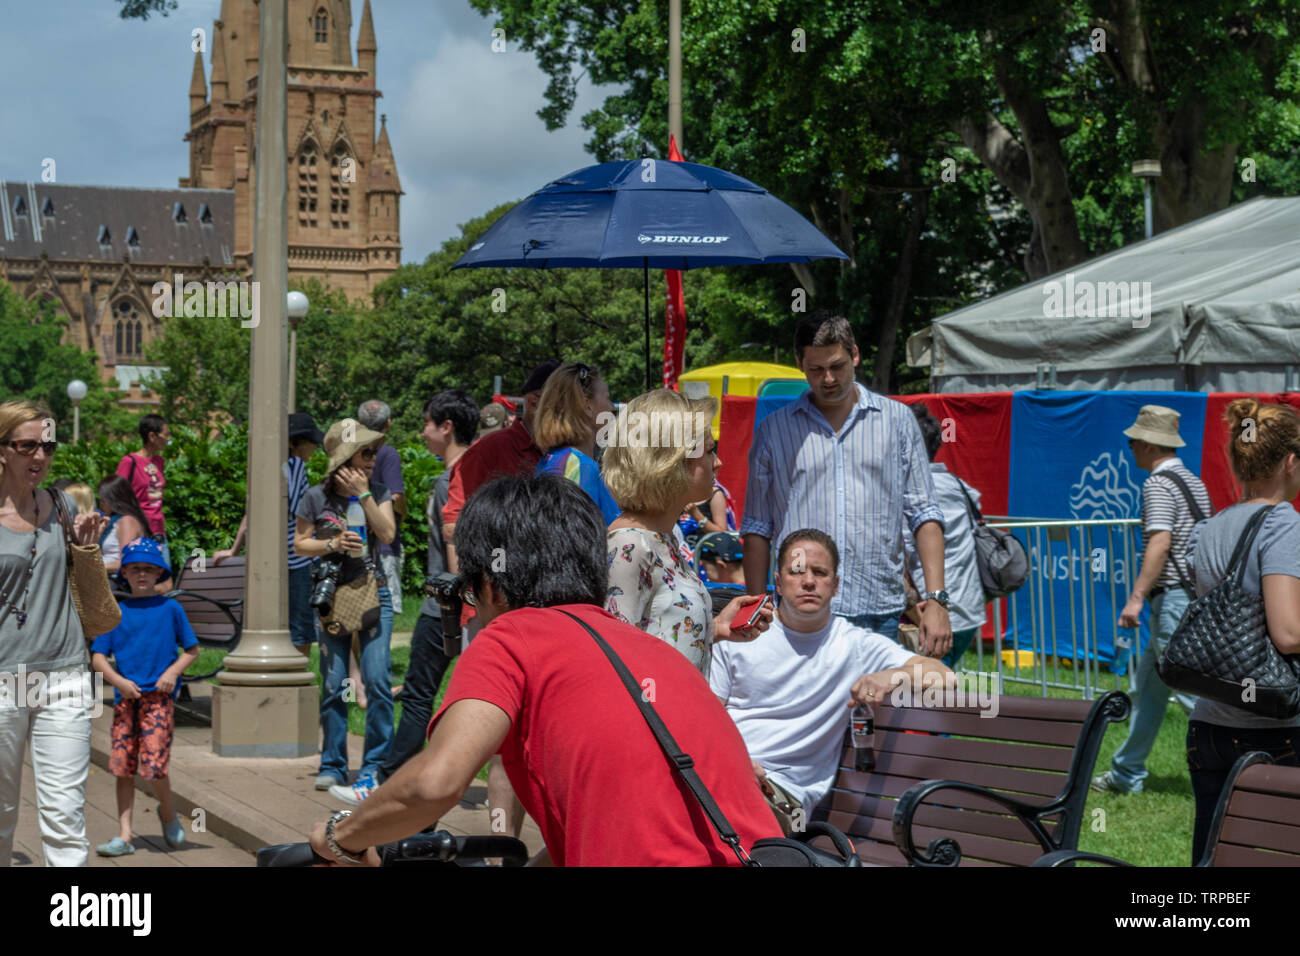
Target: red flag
[(675, 310)]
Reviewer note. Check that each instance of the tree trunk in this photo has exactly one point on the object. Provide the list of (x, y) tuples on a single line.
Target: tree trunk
[(882, 373)]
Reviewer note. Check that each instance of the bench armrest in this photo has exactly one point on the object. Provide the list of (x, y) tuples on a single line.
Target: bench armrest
[(224, 643), (945, 851), (1069, 857)]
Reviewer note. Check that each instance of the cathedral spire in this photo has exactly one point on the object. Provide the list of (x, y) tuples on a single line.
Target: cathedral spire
[(366, 46), (383, 167), (220, 88), (198, 86)]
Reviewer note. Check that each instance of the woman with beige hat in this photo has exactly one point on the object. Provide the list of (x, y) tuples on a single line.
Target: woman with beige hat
[(323, 533)]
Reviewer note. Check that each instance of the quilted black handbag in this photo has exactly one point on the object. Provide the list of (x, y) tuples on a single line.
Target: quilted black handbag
[(1221, 646)]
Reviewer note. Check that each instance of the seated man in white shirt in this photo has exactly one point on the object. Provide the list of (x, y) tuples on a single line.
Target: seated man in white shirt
[(791, 691)]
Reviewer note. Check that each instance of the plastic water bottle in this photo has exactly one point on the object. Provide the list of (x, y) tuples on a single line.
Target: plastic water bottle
[(356, 518), (862, 726)]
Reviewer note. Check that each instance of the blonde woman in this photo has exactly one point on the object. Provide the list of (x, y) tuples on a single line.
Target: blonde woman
[(41, 638), (573, 403), (661, 457)]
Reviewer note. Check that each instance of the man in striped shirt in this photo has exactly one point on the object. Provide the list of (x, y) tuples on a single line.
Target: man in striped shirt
[(851, 463), (1173, 500)]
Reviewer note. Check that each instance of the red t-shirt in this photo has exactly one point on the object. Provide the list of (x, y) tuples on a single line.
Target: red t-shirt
[(147, 481), (508, 452), (582, 759)]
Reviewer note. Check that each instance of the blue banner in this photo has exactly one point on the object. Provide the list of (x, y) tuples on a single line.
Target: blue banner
[(1070, 460)]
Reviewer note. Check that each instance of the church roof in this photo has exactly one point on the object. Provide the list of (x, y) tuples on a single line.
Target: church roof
[(96, 222)]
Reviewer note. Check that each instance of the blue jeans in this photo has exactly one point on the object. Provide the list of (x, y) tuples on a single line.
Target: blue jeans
[(1150, 696), (961, 640), (886, 624), (334, 694), (302, 619)]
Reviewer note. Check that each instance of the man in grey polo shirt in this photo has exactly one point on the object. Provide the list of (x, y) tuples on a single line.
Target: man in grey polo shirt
[(1173, 501)]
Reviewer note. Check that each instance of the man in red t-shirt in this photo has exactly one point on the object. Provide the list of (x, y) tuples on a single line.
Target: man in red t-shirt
[(144, 470), (535, 687)]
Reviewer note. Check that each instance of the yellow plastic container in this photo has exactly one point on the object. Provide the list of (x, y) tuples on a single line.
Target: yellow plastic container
[(742, 378), (1022, 659)]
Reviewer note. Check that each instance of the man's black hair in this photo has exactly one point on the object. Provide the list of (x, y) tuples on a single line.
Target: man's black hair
[(816, 537), (456, 406), (931, 431), (151, 425), (819, 328), (541, 540)]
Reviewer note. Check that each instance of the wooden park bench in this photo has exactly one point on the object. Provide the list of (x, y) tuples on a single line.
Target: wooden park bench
[(1256, 821), (951, 787), (213, 600)]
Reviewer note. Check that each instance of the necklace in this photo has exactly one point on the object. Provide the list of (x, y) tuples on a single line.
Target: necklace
[(21, 612)]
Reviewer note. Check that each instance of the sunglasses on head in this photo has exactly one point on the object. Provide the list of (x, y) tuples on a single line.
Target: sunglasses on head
[(369, 453), (584, 375), (28, 448)]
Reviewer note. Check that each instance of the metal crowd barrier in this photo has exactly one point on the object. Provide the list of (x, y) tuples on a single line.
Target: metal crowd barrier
[(1068, 657)]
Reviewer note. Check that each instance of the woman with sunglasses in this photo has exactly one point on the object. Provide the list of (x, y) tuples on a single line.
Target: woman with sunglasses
[(322, 533), (568, 418), (41, 644)]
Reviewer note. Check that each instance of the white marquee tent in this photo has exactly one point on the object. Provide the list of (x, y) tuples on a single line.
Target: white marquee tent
[(1212, 306)]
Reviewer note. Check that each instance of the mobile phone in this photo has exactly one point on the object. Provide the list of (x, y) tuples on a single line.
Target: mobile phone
[(751, 612)]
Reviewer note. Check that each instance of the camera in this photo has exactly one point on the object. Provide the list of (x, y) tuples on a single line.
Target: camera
[(445, 589), (324, 582)]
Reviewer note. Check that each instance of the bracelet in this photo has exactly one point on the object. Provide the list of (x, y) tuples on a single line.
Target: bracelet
[(364, 495), (340, 854)]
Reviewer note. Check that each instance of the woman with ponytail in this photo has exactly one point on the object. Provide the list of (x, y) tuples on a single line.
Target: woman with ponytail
[(1264, 449)]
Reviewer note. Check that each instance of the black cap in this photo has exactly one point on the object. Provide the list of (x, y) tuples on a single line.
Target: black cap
[(302, 425), (540, 375)]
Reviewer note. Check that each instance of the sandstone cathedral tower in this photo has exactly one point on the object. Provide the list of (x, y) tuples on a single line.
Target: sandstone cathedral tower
[(344, 193)]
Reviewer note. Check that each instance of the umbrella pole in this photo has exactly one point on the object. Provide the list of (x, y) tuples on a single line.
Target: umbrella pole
[(645, 270)]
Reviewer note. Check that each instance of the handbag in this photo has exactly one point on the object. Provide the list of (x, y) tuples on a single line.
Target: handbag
[(92, 595), (1221, 646), (999, 555), (771, 851), (356, 605)]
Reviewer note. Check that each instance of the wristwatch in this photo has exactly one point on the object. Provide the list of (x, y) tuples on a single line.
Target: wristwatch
[(340, 854), (941, 597)]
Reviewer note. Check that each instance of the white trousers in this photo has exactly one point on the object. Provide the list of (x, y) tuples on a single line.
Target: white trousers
[(57, 729)]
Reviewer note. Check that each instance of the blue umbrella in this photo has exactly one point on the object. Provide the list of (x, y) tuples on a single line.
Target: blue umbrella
[(648, 213)]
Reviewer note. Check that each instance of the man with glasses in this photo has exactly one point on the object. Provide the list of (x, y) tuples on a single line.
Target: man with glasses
[(144, 470), (1173, 501)]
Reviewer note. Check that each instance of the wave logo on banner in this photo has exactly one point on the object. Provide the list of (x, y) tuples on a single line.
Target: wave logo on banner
[(1105, 490)]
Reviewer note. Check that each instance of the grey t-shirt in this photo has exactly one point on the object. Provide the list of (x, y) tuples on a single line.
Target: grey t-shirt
[(52, 638), (437, 548), (328, 514), (1276, 550)]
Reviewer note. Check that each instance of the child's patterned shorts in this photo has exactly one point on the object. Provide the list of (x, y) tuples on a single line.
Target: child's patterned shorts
[(142, 736)]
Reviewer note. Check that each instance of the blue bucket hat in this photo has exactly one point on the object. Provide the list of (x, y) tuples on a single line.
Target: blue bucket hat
[(144, 551)]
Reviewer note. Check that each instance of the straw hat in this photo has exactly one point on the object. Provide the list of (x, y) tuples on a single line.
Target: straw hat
[(358, 437), (1158, 425)]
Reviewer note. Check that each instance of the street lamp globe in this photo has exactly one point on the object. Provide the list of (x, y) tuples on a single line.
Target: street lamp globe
[(77, 390), (296, 306)]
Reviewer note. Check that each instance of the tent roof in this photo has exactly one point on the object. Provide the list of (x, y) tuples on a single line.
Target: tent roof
[(1233, 268)]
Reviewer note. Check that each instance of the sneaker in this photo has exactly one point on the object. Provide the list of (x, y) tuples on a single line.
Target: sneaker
[(326, 780), (115, 847), (357, 792), (174, 832), (1106, 783)]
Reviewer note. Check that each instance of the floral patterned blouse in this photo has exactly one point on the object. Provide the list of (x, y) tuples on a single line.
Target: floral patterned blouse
[(652, 588)]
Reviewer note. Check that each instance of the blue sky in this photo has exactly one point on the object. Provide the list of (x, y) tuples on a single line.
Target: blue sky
[(107, 99)]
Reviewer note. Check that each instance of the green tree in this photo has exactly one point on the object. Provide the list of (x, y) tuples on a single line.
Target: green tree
[(36, 364)]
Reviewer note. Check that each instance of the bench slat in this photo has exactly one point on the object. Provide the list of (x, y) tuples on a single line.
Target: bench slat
[(1063, 709), (932, 768), (849, 780), (1000, 824), (1271, 778), (940, 720), (1266, 834), (1261, 806), (1024, 756), (972, 845), (1233, 855)]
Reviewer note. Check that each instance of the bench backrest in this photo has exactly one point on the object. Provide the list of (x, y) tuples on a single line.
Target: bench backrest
[(223, 583), (1260, 825), (1027, 750)]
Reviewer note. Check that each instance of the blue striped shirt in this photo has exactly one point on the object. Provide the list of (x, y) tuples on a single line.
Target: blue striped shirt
[(857, 486), (295, 472)]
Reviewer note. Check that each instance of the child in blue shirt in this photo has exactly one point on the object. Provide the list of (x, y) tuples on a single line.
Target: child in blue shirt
[(147, 678)]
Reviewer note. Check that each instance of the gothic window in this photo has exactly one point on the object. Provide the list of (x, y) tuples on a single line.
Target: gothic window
[(308, 186), (205, 214), (178, 212), (128, 329), (322, 25), (20, 206), (47, 207), (343, 173)]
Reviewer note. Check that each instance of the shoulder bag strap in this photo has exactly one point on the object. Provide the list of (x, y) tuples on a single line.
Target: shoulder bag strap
[(975, 512), (65, 521), (1237, 563), (1197, 513), (681, 762)]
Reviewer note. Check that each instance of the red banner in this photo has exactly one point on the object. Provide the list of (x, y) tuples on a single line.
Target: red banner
[(675, 310)]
